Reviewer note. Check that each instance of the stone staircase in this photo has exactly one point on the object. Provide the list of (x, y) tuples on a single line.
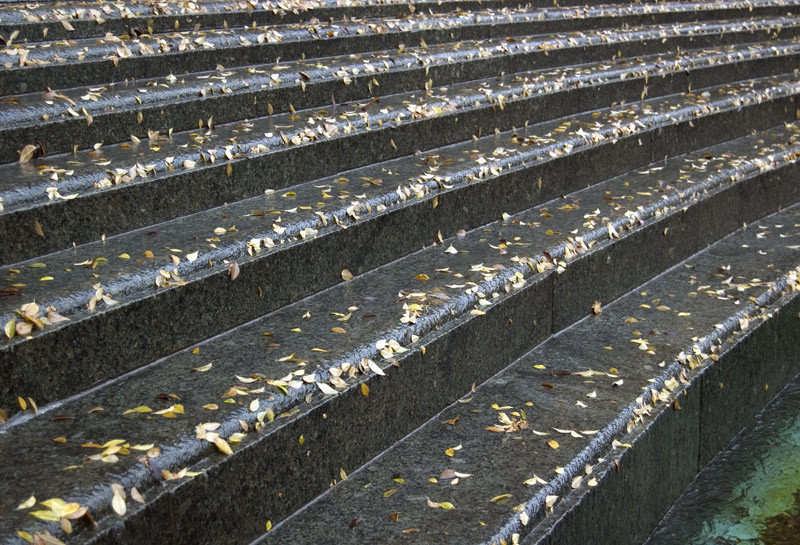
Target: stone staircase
[(441, 272)]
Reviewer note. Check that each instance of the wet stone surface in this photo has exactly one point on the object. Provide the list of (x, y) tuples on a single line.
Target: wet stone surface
[(109, 277), (336, 330), (570, 390), (230, 280), (62, 119)]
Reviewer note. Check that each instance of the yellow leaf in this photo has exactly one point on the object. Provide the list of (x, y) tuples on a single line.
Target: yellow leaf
[(25, 535), (301, 440), (364, 389), (203, 368), (338, 330), (223, 446), (389, 493), (136, 495), (51, 516), (27, 504), (500, 498), (22, 403), (342, 474), (10, 327), (553, 444), (118, 504), (446, 505), (269, 525), (422, 277), (139, 409), (346, 275)]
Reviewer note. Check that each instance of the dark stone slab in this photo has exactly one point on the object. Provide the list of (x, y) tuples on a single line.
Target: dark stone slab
[(113, 349), (88, 61), (736, 478), (178, 103), (462, 346), (641, 479)]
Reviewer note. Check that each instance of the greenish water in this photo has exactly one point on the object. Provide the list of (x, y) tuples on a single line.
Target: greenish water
[(750, 493)]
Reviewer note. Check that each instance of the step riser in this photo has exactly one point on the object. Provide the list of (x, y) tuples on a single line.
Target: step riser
[(62, 135), (145, 203), (40, 77), (709, 418), (106, 347), (469, 350)]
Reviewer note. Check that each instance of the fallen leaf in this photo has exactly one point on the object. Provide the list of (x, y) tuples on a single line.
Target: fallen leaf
[(501, 497), (27, 504), (26, 154), (118, 500), (223, 446)]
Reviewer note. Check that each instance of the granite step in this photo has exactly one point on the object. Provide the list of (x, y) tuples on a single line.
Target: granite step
[(172, 175), (71, 20), (82, 20), (34, 67), (283, 246), (293, 394), (67, 119), (614, 411)]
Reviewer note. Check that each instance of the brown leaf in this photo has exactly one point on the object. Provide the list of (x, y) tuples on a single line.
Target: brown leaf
[(26, 154)]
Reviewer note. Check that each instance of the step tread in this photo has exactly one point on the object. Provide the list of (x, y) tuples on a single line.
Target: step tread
[(348, 195), (380, 297), (114, 108), (90, 174), (130, 280), (111, 57), (91, 49), (500, 462)]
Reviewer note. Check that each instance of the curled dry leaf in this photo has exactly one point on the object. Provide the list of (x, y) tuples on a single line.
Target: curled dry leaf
[(440, 505), (346, 275), (26, 154), (233, 271)]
